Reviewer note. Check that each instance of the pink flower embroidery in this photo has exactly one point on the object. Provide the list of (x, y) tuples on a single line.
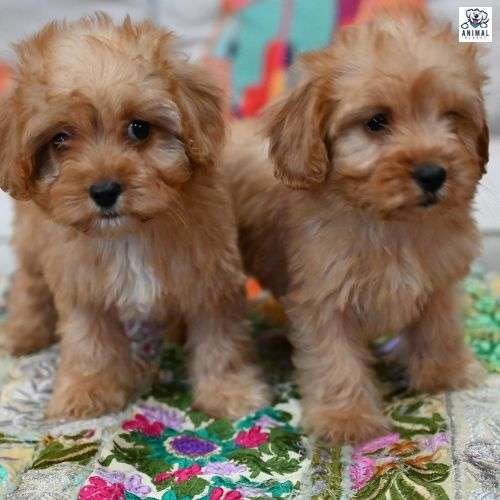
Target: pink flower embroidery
[(251, 438), (162, 476), (180, 475), (99, 489), (218, 494), (361, 471), (377, 443), (187, 473), (142, 424)]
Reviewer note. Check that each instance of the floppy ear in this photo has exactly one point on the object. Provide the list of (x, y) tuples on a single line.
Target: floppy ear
[(296, 138), (483, 143), (200, 103), (14, 168)]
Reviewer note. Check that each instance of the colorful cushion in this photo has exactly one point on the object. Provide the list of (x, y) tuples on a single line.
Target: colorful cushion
[(261, 39)]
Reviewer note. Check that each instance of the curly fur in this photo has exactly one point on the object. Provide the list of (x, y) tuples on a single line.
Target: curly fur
[(343, 236), (170, 251)]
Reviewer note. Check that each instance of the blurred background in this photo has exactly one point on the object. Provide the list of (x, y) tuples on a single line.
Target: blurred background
[(250, 45)]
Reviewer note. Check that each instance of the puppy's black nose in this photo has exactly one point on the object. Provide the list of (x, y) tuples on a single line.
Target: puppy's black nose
[(429, 177), (105, 193)]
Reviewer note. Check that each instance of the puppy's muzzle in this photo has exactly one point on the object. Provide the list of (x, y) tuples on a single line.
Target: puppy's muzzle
[(105, 193), (430, 178)]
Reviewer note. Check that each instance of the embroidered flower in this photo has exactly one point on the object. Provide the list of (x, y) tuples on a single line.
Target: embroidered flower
[(187, 473), (361, 471), (191, 446), (224, 468), (249, 492), (162, 476), (218, 494), (252, 438), (437, 441), (110, 476), (377, 443), (99, 489), (142, 424), (134, 485), (171, 419), (265, 422), (318, 487), (180, 475)]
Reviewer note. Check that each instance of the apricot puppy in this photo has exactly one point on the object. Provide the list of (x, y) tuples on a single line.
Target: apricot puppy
[(368, 227), (111, 142)]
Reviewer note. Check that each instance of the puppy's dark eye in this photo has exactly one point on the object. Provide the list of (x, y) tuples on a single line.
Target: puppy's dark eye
[(60, 140), (453, 115), (138, 130), (377, 123)]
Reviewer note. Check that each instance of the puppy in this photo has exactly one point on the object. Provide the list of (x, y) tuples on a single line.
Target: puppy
[(111, 142), (368, 227)]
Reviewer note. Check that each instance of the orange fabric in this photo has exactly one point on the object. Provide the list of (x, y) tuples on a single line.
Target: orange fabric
[(368, 8), (253, 288), (4, 77)]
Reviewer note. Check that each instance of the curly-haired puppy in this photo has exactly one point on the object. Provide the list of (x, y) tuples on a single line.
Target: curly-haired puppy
[(112, 142), (368, 229)]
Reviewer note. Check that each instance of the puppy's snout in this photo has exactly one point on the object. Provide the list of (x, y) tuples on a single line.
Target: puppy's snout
[(105, 193), (429, 177)]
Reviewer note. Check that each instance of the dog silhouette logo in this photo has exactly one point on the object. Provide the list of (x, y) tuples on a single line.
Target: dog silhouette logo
[(475, 24), (476, 18)]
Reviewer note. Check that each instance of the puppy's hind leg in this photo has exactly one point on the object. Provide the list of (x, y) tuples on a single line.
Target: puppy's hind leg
[(32, 317)]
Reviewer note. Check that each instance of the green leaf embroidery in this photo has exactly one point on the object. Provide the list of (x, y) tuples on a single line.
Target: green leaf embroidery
[(222, 428), (55, 453), (197, 417), (191, 487)]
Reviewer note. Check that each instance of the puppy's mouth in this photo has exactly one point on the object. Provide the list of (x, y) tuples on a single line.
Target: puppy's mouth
[(428, 200), (109, 214)]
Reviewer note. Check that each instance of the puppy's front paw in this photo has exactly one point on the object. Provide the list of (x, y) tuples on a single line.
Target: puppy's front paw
[(231, 396), (87, 397), (339, 428), (79, 396)]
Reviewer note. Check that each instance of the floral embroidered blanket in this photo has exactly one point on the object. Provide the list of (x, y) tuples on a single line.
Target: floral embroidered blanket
[(444, 446)]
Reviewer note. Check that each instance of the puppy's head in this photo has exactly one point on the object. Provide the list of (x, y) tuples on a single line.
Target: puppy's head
[(105, 125), (390, 118)]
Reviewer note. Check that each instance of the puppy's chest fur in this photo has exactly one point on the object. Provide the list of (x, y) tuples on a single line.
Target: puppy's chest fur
[(132, 283), (382, 277)]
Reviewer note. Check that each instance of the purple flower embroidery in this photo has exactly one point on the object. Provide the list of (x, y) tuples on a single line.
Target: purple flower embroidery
[(132, 483), (170, 418), (318, 487), (265, 422), (249, 492), (361, 471), (135, 485), (191, 446), (110, 476), (224, 468), (437, 441)]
